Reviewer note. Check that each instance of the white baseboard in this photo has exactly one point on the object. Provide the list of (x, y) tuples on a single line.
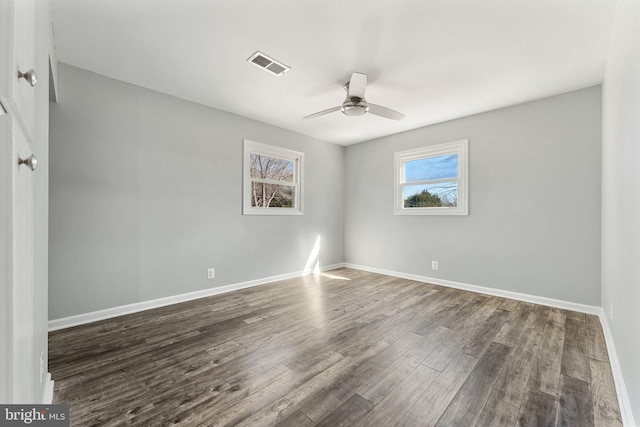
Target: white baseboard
[(81, 319), (621, 389), (108, 313), (623, 397), (47, 396), (565, 305)]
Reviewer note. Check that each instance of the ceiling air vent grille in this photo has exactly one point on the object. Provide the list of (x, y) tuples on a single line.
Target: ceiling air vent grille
[(261, 60)]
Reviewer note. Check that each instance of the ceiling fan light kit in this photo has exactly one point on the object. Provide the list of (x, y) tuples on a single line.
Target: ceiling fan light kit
[(354, 108), (356, 105)]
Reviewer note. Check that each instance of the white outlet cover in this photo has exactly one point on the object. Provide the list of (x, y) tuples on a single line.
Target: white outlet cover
[(211, 273)]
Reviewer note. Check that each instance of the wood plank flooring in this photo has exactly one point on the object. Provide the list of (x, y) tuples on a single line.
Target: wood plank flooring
[(345, 348)]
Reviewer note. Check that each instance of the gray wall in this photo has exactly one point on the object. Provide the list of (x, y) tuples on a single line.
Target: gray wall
[(146, 195), (534, 223), (621, 194)]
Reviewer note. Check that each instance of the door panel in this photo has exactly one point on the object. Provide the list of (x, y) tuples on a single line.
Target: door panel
[(24, 60), (17, 322), (6, 255), (19, 368), (23, 301), (17, 54)]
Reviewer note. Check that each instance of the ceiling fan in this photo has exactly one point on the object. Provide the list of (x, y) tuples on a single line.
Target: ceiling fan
[(355, 104)]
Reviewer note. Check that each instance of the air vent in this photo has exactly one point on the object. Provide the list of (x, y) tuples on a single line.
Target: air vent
[(261, 60)]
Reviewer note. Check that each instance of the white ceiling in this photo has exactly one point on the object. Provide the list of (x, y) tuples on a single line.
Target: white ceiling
[(432, 60)]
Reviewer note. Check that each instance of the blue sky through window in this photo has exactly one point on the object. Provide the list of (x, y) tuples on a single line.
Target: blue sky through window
[(438, 167)]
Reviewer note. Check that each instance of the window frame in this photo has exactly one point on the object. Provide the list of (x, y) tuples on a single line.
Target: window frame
[(461, 148), (254, 147)]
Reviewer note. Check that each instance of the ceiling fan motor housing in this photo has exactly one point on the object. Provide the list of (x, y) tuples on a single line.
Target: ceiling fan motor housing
[(354, 106)]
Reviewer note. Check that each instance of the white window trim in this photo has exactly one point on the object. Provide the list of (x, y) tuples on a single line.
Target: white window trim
[(401, 157), (279, 152)]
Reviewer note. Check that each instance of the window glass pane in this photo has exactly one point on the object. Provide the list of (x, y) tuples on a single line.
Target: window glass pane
[(272, 195), (427, 168), (442, 194), (272, 168)]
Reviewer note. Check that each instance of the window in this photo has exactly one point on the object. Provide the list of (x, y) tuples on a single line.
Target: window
[(432, 180), (272, 180)]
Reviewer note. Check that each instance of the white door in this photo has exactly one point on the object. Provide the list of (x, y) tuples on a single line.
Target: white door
[(17, 304), (19, 379)]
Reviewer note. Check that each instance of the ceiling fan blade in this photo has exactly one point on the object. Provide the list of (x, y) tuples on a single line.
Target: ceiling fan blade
[(385, 112), (322, 113), (358, 85)]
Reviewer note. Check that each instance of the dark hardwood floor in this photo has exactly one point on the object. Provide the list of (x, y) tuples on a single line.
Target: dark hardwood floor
[(347, 348)]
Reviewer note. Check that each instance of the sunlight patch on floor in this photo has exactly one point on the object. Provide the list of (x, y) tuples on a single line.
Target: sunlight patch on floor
[(333, 276)]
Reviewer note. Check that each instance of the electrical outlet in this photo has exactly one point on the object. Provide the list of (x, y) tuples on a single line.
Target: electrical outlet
[(611, 312), (434, 265), (211, 273)]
